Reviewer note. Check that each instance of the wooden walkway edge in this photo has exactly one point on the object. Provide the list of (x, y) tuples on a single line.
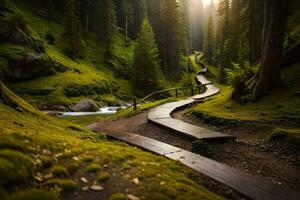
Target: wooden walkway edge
[(161, 115), (245, 184)]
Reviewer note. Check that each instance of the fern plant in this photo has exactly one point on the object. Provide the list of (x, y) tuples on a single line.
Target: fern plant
[(238, 75)]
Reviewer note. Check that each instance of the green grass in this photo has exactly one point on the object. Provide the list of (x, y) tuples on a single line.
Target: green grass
[(45, 136), (91, 65), (274, 107), (290, 135), (34, 194), (281, 106)]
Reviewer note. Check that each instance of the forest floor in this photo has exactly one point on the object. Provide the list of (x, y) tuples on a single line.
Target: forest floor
[(251, 152)]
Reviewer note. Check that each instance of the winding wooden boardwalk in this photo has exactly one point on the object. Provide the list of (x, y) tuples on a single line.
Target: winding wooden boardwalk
[(245, 184), (161, 115)]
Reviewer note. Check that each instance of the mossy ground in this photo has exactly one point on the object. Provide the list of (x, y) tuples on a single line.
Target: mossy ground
[(38, 142), (90, 68), (280, 108)]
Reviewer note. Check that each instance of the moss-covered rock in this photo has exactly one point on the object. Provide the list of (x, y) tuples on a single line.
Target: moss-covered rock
[(104, 176), (292, 136), (34, 194), (65, 184), (118, 196), (99, 87), (86, 105), (93, 168), (59, 171)]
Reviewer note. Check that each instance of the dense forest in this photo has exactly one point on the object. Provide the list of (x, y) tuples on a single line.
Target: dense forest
[(197, 79)]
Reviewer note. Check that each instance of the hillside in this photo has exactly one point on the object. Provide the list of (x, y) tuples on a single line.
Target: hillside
[(35, 61), (37, 165)]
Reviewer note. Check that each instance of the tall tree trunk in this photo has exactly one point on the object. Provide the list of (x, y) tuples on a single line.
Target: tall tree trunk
[(126, 27), (87, 25), (269, 72)]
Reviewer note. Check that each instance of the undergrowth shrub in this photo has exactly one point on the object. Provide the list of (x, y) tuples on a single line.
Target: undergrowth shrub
[(237, 76)]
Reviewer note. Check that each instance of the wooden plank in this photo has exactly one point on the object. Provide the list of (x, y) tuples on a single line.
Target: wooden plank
[(190, 130), (246, 184), (243, 183), (211, 90), (201, 79)]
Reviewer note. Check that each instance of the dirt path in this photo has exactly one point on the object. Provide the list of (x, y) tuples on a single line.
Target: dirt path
[(250, 153)]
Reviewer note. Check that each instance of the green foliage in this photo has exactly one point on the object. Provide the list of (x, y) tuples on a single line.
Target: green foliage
[(147, 74), (33, 194), (59, 171), (171, 38), (107, 22), (65, 184), (238, 76), (208, 46), (72, 26)]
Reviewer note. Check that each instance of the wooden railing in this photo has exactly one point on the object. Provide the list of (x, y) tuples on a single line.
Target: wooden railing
[(200, 86), (156, 93)]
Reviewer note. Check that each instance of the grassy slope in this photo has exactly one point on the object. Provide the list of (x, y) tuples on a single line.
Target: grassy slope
[(34, 144), (91, 65), (280, 107)]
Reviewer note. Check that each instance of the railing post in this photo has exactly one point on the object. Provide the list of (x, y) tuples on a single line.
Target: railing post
[(134, 104), (192, 90), (176, 93)]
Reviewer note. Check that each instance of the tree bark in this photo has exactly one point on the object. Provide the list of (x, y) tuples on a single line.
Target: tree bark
[(269, 73)]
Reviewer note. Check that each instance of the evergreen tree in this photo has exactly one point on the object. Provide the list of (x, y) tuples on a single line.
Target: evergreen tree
[(224, 42), (208, 46), (147, 74), (197, 24), (72, 24), (128, 11), (170, 37), (107, 22)]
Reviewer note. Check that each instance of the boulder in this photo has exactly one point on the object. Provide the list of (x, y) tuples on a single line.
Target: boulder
[(86, 105), (30, 65)]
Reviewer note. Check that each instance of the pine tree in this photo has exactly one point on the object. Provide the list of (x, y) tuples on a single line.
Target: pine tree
[(147, 74), (208, 46), (107, 22), (72, 24), (128, 11), (170, 37), (224, 42)]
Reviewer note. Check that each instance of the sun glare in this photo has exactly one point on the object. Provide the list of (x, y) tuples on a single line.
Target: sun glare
[(207, 2)]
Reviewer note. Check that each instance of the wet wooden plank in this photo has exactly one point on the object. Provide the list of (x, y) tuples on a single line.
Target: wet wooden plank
[(201, 79), (177, 104), (210, 91), (246, 184), (190, 130), (241, 182), (160, 113), (137, 140)]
